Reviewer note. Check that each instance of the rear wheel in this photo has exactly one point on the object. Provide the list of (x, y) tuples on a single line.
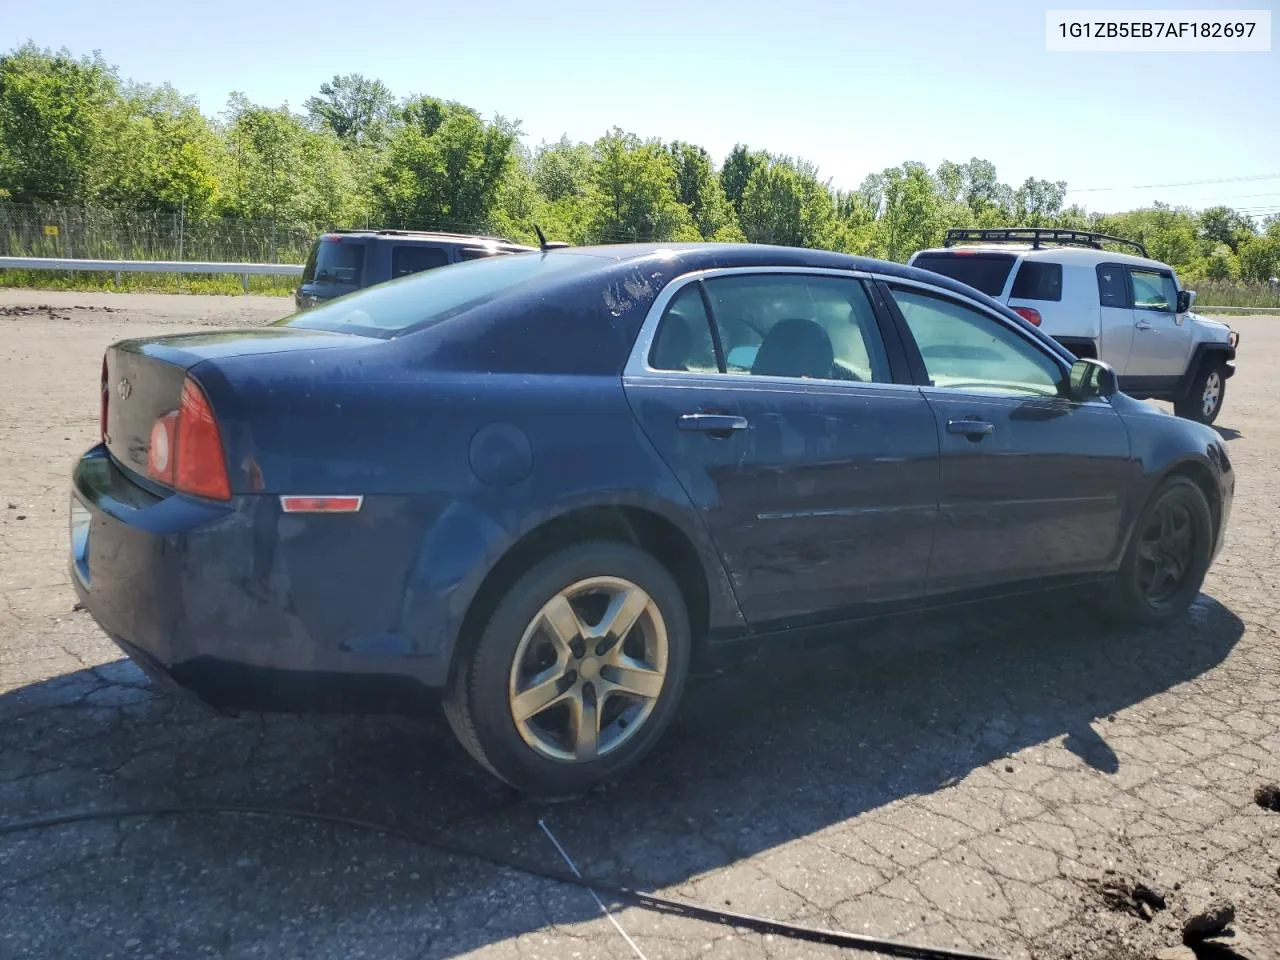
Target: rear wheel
[(1168, 555), (577, 672), (1203, 401)]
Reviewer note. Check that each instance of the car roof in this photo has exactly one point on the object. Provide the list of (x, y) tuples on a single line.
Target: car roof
[(1082, 256), (709, 255)]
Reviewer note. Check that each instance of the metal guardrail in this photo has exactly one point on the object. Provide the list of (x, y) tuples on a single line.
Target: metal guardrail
[(243, 270), (246, 270)]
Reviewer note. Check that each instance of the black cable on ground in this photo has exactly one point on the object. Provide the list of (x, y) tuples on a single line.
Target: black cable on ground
[(651, 901)]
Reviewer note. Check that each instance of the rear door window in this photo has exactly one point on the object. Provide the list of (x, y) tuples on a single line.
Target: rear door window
[(407, 259), (982, 271), (337, 261), (1113, 285), (1037, 280), (801, 325)]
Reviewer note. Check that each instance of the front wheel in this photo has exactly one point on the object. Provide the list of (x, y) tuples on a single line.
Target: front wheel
[(577, 672), (1203, 401), (1168, 555)]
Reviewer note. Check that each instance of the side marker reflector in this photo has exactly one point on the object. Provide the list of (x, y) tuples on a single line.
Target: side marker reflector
[(321, 504)]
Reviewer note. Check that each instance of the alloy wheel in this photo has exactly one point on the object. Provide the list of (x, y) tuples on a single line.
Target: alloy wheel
[(1166, 550), (1212, 392), (588, 670)]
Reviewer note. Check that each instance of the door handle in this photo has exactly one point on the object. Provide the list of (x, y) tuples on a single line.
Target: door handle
[(1142, 325), (712, 423), (975, 430)]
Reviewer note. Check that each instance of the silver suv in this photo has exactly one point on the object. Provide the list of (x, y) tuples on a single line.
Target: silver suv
[(1129, 311)]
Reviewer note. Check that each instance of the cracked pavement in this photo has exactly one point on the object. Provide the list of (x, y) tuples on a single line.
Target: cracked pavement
[(964, 782)]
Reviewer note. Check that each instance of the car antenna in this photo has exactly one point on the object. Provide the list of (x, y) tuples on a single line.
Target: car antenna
[(542, 238)]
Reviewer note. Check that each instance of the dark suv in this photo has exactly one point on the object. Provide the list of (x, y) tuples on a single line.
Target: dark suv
[(343, 261)]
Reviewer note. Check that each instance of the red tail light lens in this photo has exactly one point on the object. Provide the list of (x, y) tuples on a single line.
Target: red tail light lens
[(201, 467), (1028, 314), (103, 396), (185, 449)]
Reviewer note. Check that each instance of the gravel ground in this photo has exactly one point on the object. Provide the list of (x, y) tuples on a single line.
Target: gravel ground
[(997, 783)]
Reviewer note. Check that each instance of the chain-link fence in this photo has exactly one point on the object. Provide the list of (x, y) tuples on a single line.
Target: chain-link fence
[(95, 233)]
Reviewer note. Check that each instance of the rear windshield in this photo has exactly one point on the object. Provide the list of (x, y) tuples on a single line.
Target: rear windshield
[(411, 303), (982, 271), (1037, 281), (335, 260)]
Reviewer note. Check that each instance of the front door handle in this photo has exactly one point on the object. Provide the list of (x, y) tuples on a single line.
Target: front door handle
[(1142, 325), (973, 429), (713, 423)]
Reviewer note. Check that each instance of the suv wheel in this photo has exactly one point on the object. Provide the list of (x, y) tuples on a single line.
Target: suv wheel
[(1168, 555), (577, 673), (1203, 401)]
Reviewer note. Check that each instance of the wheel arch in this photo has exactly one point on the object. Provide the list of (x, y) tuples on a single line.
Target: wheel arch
[(706, 591), (1202, 476), (1198, 472), (1202, 356)]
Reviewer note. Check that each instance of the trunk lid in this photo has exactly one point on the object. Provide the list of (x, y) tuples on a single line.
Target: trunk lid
[(143, 379)]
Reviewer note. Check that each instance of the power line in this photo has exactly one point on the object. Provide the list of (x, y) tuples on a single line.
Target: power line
[(1185, 183)]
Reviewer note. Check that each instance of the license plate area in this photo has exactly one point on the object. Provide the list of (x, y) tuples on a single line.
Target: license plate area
[(81, 520)]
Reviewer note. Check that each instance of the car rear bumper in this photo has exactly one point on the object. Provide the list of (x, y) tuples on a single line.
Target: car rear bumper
[(249, 608)]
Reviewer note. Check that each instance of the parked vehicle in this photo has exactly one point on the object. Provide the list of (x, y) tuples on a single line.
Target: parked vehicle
[(1130, 311), (543, 484), (343, 261)]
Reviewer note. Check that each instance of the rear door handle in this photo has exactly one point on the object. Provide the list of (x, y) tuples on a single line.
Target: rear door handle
[(973, 429), (711, 422), (1142, 325)]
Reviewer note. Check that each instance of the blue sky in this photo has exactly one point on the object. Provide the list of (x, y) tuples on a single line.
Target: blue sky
[(852, 87)]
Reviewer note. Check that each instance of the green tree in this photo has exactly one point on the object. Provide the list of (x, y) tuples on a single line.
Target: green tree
[(160, 153), (1221, 264), (784, 203), (737, 170), (1260, 257), (563, 169), (444, 166), (912, 216), (698, 187), (1222, 225), (635, 191), (356, 108), (281, 170), (1169, 234), (1038, 202), (53, 121)]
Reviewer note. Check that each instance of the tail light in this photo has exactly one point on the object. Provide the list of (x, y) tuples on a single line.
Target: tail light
[(103, 395), (1029, 314), (185, 449)]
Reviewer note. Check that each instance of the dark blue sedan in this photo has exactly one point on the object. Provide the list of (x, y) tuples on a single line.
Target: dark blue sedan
[(547, 483)]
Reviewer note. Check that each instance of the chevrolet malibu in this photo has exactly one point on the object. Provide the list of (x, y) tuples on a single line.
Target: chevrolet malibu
[(543, 485)]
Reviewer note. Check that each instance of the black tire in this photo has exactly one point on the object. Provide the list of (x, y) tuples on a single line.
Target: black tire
[(479, 701), (1132, 598), (1205, 397)]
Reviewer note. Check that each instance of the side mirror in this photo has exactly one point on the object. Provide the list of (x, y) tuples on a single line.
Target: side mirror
[(1091, 379), (1185, 299)]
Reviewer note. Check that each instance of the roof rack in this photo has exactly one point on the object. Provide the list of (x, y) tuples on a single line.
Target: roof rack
[(1038, 235)]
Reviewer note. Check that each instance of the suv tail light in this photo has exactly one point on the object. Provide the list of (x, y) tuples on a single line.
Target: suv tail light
[(103, 396), (185, 450), (1029, 314)]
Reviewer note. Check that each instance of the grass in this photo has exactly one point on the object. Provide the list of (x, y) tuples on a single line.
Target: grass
[(1235, 293), (91, 281)]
